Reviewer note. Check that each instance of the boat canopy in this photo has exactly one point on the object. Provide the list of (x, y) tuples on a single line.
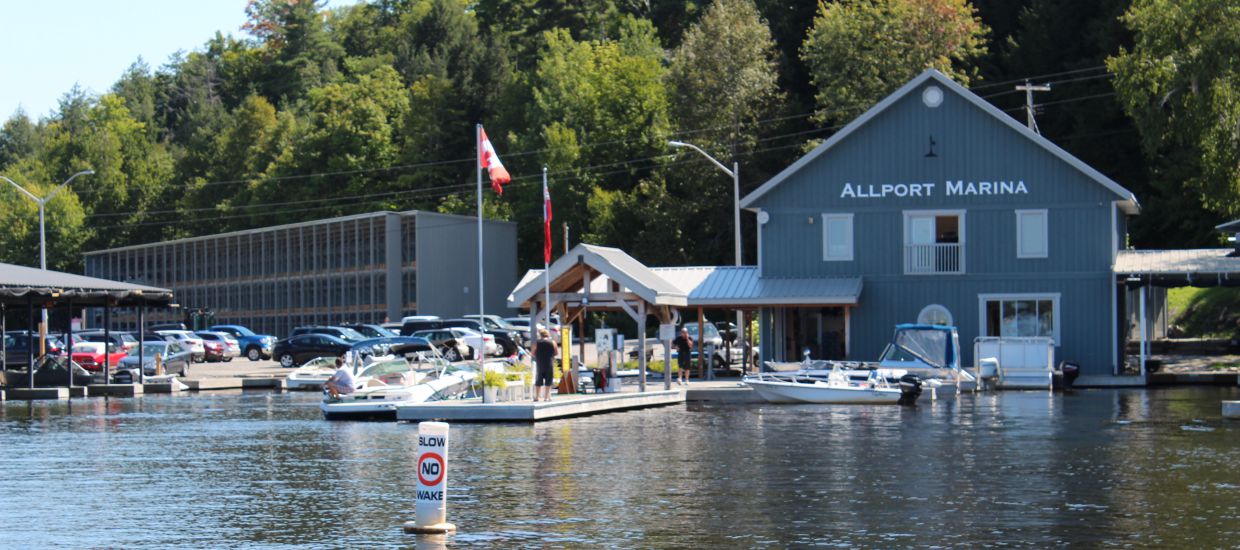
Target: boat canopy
[(932, 344)]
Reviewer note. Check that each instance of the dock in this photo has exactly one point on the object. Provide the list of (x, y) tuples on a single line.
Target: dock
[(560, 406)]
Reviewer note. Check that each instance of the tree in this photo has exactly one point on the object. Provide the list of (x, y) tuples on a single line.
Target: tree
[(302, 52), (859, 51), (1179, 83), (19, 137)]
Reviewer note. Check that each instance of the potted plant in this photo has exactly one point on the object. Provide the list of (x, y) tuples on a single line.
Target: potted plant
[(492, 381)]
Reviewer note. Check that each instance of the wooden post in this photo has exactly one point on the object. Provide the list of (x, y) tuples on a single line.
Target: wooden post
[(701, 354), (641, 346)]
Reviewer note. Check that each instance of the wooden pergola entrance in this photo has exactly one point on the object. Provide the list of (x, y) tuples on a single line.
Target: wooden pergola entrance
[(598, 278)]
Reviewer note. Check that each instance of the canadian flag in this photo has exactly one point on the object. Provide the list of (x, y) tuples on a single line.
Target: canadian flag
[(489, 160)]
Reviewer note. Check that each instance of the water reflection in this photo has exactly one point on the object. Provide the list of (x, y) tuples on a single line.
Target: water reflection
[(1090, 468)]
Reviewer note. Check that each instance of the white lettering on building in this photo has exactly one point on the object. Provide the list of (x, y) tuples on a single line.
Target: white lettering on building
[(955, 188)]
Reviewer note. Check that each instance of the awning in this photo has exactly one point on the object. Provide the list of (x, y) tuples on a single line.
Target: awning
[(1173, 268), (733, 286), (606, 268), (19, 284)]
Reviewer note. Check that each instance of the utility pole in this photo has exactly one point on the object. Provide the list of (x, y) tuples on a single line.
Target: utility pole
[(1029, 89)]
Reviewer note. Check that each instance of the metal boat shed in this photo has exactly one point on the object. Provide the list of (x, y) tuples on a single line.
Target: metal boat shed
[(35, 289)]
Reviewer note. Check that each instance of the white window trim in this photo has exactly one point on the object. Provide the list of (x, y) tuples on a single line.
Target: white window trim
[(826, 257), (951, 319), (1052, 296), (1046, 230)]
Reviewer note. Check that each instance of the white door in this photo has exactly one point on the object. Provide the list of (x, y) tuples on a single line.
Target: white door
[(921, 240)]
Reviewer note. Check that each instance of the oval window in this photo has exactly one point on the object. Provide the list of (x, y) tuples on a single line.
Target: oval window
[(935, 314)]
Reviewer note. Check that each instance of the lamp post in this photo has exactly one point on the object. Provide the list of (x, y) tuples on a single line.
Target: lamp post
[(43, 240), (735, 172)]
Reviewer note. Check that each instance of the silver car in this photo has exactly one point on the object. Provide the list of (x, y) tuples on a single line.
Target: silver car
[(174, 357)]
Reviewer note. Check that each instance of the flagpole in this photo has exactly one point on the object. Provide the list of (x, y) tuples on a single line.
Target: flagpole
[(546, 261), (481, 322)]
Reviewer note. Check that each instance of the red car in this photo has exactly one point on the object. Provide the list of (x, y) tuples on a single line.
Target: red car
[(90, 355)]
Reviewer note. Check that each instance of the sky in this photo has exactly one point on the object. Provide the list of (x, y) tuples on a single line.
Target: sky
[(47, 46)]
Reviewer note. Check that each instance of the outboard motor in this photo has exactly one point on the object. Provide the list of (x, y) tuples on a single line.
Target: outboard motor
[(1070, 372), (910, 389)]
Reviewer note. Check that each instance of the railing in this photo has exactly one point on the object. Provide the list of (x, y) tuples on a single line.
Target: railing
[(934, 259)]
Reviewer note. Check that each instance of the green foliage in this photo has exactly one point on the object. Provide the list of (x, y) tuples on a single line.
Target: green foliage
[(652, 366), (861, 50), (494, 379), (1205, 312), (1179, 84)]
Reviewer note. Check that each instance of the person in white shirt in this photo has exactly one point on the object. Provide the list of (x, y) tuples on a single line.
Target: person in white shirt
[(341, 381)]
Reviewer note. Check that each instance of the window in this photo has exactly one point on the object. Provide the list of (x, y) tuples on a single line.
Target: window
[(1031, 234), (935, 314), (934, 242), (837, 237), (1020, 315)]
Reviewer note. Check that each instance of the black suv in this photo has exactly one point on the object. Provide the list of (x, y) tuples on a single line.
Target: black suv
[(507, 339), (346, 334)]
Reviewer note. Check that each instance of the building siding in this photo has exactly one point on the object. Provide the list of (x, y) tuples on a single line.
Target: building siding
[(359, 268)]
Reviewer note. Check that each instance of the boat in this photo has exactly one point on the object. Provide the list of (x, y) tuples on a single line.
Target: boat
[(416, 373), (311, 375), (836, 387)]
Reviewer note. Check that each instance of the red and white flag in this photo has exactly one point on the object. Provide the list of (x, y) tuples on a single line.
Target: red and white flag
[(489, 160), (546, 222)]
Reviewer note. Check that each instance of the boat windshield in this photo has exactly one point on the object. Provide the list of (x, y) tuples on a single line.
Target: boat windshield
[(387, 367), (927, 346)]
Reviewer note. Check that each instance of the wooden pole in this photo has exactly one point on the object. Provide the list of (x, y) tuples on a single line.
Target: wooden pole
[(641, 346), (701, 332)]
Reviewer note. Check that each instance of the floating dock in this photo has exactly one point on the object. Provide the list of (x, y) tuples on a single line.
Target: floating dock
[(561, 406)]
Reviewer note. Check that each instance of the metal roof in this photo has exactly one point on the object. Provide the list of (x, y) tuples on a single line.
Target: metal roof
[(743, 286), (719, 286), (599, 263), (1128, 200), (1194, 267), (20, 283)]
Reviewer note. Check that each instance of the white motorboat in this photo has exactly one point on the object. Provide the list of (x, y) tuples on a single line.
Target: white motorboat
[(312, 375), (417, 374), (836, 387)]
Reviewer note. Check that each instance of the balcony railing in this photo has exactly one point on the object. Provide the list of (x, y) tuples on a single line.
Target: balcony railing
[(934, 259)]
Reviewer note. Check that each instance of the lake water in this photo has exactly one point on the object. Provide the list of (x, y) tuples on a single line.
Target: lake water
[(1142, 468)]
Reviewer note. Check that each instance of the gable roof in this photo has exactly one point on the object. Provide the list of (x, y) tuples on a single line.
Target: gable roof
[(583, 260), (1128, 201)]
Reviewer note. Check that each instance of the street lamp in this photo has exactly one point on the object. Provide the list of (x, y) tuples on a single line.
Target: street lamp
[(735, 172), (43, 241)]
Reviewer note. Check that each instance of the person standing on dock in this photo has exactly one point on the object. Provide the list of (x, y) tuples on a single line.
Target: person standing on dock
[(545, 351), (684, 347)]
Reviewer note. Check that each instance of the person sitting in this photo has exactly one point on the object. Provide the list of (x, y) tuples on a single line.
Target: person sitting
[(341, 382)]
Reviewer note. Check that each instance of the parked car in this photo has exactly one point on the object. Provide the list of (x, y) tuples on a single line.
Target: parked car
[(122, 339), (452, 342), (175, 358), (394, 327), (295, 350), (17, 344), (346, 334), (522, 324), (371, 331), (225, 347), (416, 323), (188, 340), (505, 340), (91, 355), (495, 322), (167, 326), (253, 346), (51, 371)]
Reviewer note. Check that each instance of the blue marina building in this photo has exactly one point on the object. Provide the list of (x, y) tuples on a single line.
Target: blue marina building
[(936, 207)]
